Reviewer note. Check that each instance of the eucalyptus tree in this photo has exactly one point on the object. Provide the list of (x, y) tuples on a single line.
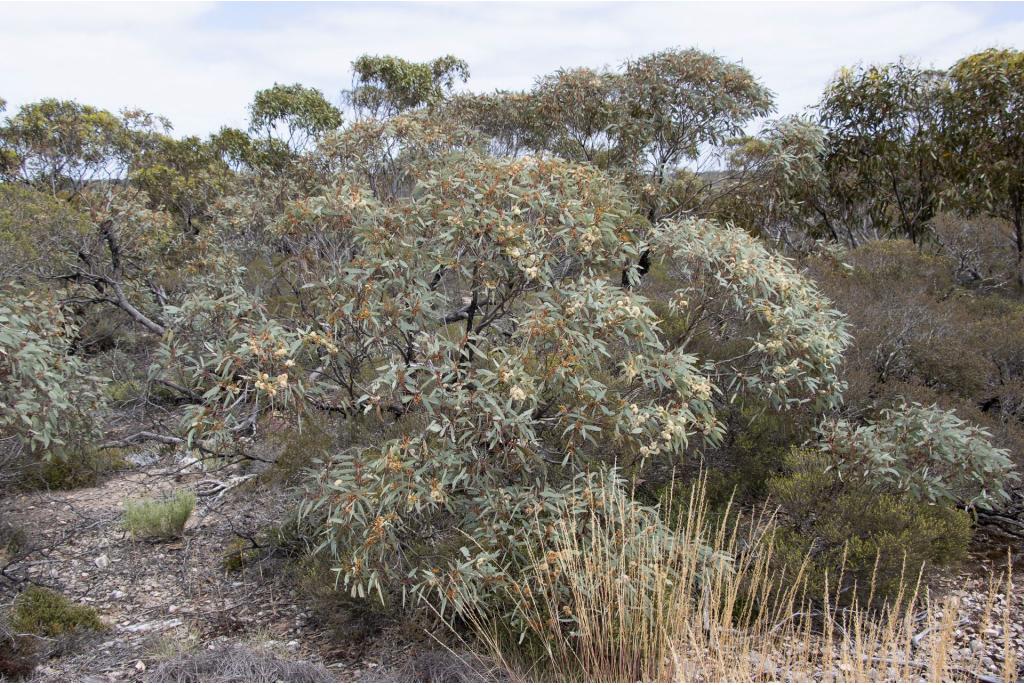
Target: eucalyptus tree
[(510, 121), (185, 176), (884, 157), (581, 115), (650, 122), (680, 103), (987, 138), (385, 85), (289, 119), (778, 186), (61, 146), (47, 395), (108, 245)]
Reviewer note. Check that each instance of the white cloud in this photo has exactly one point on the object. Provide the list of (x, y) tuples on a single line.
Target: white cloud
[(199, 64)]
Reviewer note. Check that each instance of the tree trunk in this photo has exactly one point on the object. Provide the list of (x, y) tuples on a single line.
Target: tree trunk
[(1018, 235)]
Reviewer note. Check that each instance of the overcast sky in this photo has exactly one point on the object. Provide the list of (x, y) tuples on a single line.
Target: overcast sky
[(199, 64)]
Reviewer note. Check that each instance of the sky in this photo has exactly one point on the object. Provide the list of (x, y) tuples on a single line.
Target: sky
[(200, 63)]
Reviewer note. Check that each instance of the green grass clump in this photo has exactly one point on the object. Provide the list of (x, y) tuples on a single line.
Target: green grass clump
[(159, 518), (122, 391), (40, 611)]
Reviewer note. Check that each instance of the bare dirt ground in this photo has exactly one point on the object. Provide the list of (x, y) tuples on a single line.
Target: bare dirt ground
[(157, 596), (163, 597)]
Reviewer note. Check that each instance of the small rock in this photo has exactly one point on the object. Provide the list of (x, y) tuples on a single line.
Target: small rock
[(139, 666), (171, 609), (102, 561), (293, 644), (117, 594), (977, 646)]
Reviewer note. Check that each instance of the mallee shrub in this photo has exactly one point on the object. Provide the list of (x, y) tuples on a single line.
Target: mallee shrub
[(928, 453), (859, 543)]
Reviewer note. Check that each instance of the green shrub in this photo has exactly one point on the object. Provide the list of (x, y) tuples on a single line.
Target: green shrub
[(45, 612), (122, 391), (758, 441), (82, 470), (293, 537), (335, 612), (868, 544), (159, 518)]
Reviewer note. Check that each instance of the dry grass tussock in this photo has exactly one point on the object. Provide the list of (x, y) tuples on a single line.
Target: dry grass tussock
[(671, 612), (238, 663), (440, 666)]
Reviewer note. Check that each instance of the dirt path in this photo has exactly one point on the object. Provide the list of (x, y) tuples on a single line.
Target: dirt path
[(158, 594)]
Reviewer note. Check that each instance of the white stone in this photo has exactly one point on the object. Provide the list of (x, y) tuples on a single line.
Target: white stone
[(152, 625)]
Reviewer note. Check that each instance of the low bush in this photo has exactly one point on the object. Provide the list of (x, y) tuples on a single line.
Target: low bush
[(338, 614), (82, 470), (159, 518), (754, 450), (41, 611), (858, 542), (123, 391), (298, 449), (18, 656)]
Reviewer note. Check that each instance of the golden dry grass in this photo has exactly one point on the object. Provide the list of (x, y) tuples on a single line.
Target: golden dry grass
[(590, 617)]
